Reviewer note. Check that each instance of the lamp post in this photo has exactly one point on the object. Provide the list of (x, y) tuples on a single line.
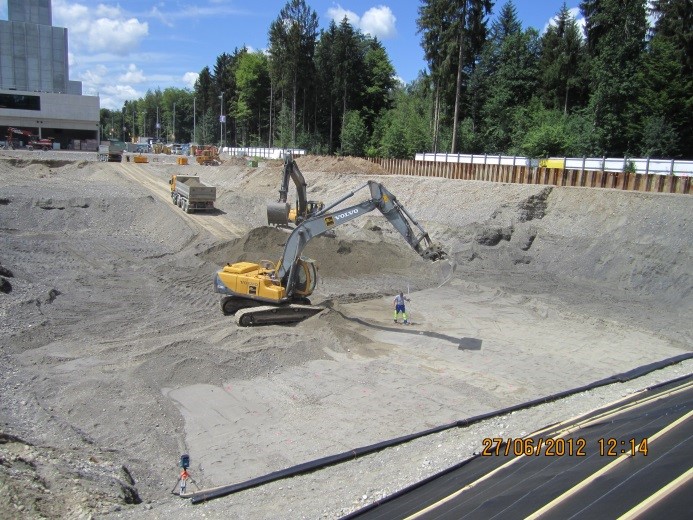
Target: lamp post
[(221, 121), (174, 123), (194, 136), (157, 124)]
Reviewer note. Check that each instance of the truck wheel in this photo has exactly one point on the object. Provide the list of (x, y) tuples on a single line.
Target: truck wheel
[(188, 209)]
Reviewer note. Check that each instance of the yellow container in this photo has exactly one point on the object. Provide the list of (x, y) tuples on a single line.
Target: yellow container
[(552, 163), (141, 159), (182, 160)]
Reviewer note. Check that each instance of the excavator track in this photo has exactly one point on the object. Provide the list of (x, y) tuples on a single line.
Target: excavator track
[(273, 314)]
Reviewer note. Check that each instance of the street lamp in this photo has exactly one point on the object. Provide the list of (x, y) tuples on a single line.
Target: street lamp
[(174, 122), (221, 121), (157, 124)]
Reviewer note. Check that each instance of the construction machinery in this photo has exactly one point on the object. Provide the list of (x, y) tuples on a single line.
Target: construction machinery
[(280, 213), (44, 143), (207, 156), (190, 194), (111, 151), (268, 293), (33, 142)]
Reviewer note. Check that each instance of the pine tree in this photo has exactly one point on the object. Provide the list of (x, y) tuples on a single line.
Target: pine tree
[(454, 32), (562, 64), (668, 81), (615, 41), (292, 39)]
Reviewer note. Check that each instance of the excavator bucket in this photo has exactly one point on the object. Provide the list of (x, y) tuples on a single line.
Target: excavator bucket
[(434, 252), (278, 213)]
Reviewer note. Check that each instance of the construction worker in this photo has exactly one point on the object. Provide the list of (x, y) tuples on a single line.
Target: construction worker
[(399, 307)]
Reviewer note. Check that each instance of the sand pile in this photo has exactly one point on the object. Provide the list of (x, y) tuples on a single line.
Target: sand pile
[(351, 165)]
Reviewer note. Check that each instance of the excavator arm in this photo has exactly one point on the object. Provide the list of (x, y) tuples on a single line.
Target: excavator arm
[(325, 220), (280, 213)]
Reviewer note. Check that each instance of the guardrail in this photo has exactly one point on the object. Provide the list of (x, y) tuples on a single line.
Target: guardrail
[(650, 182), (265, 153), (607, 164)]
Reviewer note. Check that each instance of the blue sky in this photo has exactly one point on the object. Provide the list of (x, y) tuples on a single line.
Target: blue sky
[(120, 49)]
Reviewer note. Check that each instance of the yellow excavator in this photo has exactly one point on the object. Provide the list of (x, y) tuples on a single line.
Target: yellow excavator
[(264, 293), (281, 213)]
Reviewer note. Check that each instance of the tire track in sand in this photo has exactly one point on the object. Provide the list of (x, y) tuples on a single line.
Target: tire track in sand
[(217, 226)]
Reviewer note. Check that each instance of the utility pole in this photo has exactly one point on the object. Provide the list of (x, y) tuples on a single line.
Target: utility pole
[(174, 123), (157, 124), (194, 136), (221, 121)]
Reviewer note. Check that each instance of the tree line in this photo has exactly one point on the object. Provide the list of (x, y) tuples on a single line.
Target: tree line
[(623, 86)]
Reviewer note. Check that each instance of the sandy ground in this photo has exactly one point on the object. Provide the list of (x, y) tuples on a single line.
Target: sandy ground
[(116, 358)]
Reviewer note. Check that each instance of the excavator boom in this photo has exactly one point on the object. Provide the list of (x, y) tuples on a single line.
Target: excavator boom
[(245, 285)]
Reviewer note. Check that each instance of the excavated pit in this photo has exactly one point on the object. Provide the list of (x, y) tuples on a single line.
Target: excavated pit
[(117, 358)]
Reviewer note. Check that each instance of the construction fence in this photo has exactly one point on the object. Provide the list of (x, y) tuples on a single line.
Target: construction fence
[(264, 153), (608, 164), (523, 174)]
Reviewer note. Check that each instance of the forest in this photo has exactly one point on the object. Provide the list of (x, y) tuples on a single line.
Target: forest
[(620, 86)]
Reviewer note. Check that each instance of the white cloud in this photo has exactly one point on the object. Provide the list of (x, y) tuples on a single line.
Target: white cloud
[(189, 78), (116, 36), (377, 21), (114, 96), (107, 11), (93, 78), (133, 75), (338, 13), (380, 22), (104, 28), (164, 19)]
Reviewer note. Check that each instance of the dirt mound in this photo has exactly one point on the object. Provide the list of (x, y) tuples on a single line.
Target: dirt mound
[(336, 257), (97, 483), (314, 163)]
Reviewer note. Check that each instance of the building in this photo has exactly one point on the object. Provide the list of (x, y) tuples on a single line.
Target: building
[(36, 93)]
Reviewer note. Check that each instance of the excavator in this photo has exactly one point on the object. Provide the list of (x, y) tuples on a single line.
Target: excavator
[(33, 141), (268, 293), (280, 213)]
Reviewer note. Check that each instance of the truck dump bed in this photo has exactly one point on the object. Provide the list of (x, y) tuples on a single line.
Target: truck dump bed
[(194, 190)]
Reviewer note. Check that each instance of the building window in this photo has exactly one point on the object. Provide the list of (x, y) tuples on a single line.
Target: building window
[(20, 102)]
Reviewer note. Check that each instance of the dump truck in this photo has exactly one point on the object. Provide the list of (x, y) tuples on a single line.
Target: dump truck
[(111, 151), (190, 194)]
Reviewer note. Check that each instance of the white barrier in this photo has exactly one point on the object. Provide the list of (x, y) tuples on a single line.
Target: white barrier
[(607, 164), (265, 153), (504, 160), (619, 164)]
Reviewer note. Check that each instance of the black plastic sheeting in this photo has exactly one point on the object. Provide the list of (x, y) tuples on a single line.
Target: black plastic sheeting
[(306, 467)]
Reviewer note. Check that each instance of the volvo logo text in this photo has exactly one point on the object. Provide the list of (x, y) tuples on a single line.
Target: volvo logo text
[(346, 214)]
